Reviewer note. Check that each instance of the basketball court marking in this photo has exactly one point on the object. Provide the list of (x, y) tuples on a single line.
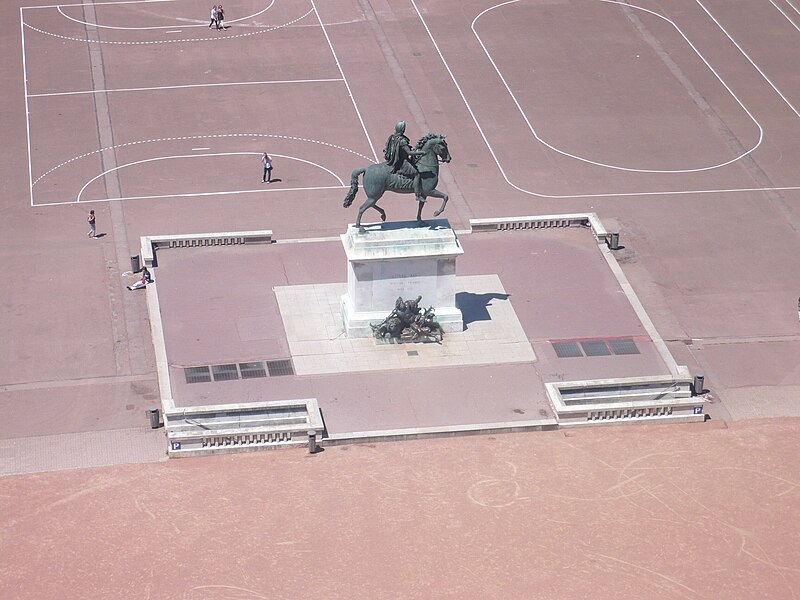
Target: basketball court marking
[(146, 42), (606, 165), (191, 85), (343, 79), (193, 22), (194, 137), (603, 194), (158, 158)]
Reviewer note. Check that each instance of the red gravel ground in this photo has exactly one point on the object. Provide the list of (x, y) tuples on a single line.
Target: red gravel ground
[(668, 512)]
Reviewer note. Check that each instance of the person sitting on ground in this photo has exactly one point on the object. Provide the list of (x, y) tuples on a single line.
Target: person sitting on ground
[(146, 278)]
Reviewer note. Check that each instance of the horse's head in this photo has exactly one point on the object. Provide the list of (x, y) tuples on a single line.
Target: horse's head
[(441, 149), (436, 144)]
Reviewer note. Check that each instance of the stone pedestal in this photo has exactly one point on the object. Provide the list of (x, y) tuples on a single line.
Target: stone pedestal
[(400, 259)]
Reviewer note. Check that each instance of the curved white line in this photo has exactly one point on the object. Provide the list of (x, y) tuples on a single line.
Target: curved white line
[(200, 137), (606, 165), (215, 38), (158, 158), (199, 24)]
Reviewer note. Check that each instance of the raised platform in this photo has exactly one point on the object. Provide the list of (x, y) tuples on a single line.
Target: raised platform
[(315, 333)]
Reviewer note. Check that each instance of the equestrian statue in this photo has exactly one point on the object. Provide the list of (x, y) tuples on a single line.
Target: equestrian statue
[(406, 170)]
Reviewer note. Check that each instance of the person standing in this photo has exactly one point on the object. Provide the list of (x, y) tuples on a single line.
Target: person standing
[(92, 224), (266, 161), (220, 17), (213, 17)]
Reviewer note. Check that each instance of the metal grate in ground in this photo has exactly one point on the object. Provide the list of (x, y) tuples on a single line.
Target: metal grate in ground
[(623, 347), (233, 371), (251, 370), (567, 349), (278, 368), (197, 374), (595, 348), (579, 348), (225, 372)]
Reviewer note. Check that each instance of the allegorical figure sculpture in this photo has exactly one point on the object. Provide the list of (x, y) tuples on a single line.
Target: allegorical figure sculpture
[(407, 322), (406, 170)]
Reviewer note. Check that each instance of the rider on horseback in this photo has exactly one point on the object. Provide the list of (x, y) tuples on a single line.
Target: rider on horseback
[(398, 152)]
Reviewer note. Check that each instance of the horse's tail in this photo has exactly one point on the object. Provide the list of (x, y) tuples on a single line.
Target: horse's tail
[(348, 200)]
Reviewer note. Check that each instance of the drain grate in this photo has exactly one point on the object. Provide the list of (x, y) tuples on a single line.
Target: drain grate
[(197, 375), (251, 370), (233, 371), (225, 372), (567, 349), (623, 347), (595, 348), (278, 368)]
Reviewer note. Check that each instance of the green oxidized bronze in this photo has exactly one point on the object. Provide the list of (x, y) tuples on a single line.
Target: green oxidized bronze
[(406, 170)]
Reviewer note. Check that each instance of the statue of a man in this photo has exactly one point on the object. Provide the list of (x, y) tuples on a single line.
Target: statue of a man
[(398, 152)]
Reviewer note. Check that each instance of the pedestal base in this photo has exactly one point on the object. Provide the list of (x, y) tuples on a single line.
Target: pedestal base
[(400, 259)]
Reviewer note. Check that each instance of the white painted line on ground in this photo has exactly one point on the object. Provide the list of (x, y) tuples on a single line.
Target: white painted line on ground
[(200, 194), (785, 16), (98, 3), (607, 165), (178, 156), (197, 23), (344, 78), (175, 31), (214, 38), (560, 196), (27, 110), (755, 66), (190, 85), (198, 137), (201, 148)]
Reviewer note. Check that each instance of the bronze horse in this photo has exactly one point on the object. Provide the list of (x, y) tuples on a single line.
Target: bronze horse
[(379, 178)]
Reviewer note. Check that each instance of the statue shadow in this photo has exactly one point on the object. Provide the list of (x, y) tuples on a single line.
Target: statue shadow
[(474, 307)]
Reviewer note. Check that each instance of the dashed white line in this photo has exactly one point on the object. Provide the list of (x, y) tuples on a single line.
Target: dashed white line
[(200, 23), (140, 43), (199, 137), (160, 158)]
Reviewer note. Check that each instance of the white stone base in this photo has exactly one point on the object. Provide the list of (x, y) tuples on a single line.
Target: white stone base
[(357, 324), (400, 259), (315, 333)]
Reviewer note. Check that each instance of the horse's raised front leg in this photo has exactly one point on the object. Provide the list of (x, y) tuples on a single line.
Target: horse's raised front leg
[(443, 196)]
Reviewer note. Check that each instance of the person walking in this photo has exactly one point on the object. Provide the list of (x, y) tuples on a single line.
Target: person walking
[(213, 17), (266, 160), (220, 17), (92, 224)]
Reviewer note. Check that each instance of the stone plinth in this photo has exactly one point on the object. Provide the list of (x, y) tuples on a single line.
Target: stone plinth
[(400, 259)]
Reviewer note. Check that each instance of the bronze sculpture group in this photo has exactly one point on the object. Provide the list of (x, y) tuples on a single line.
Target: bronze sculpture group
[(406, 170), (409, 323)]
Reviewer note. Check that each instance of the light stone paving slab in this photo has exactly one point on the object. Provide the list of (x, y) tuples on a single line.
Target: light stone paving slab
[(761, 402), (315, 333), (81, 450)]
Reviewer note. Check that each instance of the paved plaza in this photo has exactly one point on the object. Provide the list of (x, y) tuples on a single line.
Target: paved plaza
[(675, 124)]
